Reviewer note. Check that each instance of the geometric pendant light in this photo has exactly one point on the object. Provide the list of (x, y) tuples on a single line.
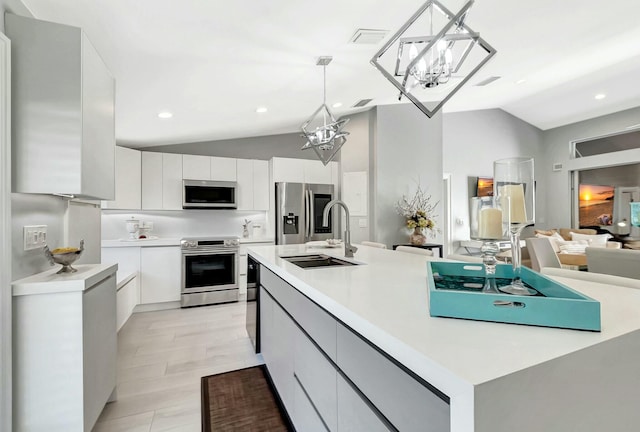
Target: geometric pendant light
[(434, 54), (324, 134)]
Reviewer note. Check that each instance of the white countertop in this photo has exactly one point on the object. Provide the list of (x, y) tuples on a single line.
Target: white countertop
[(49, 282), (257, 240), (170, 242), (386, 301), (141, 242)]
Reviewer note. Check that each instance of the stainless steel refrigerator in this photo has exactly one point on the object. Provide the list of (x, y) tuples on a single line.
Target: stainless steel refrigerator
[(299, 208)]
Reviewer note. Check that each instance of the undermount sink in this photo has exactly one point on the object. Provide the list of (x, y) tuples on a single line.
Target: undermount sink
[(313, 261)]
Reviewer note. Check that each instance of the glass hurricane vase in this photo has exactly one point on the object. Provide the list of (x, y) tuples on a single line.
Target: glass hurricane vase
[(487, 226), (514, 188)]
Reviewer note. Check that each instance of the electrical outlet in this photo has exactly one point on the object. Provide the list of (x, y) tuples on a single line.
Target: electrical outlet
[(362, 223), (35, 236)]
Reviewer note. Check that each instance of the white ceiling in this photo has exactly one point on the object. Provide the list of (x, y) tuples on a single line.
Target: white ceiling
[(212, 63)]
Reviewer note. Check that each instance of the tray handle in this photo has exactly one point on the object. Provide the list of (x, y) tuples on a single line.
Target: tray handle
[(512, 304)]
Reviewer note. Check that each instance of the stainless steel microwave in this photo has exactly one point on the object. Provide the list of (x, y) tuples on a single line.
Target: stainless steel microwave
[(207, 194)]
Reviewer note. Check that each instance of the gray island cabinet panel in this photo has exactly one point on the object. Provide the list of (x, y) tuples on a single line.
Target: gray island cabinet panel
[(329, 379), (405, 402), (63, 111)]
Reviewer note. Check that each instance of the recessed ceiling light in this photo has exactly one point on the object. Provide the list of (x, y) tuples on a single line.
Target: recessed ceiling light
[(165, 114), (600, 96), (261, 109), (337, 105), (521, 81)]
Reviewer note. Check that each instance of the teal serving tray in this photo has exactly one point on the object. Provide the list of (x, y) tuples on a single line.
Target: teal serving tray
[(556, 306)]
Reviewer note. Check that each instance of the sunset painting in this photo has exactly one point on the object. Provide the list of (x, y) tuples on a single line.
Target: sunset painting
[(596, 205)]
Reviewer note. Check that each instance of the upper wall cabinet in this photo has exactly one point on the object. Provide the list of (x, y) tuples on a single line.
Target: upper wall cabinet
[(223, 169), (253, 184), (161, 181), (208, 168), (303, 171), (128, 180), (63, 111)]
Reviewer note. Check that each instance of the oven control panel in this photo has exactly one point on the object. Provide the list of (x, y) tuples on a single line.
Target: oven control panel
[(209, 243)]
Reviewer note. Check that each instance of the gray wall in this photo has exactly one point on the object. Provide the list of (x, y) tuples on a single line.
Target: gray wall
[(407, 151), (264, 147), (15, 7), (472, 141), (557, 147), (627, 175), (354, 157)]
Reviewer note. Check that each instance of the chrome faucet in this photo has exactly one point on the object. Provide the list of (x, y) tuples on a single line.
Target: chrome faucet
[(349, 249)]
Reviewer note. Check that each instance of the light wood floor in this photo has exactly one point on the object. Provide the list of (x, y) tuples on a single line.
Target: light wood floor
[(161, 358)]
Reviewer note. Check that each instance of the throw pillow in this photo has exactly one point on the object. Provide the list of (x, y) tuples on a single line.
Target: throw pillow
[(573, 247), (545, 232), (598, 240)]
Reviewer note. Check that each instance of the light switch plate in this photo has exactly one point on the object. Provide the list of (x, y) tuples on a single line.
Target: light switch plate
[(35, 236)]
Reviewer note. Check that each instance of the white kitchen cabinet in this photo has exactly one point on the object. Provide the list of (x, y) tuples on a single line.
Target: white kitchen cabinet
[(287, 170), (151, 181), (64, 348), (245, 184), (223, 169), (303, 171), (316, 172), (128, 180), (161, 181), (261, 185), (196, 167), (160, 274), (354, 415), (171, 181), (127, 298), (253, 184), (63, 111)]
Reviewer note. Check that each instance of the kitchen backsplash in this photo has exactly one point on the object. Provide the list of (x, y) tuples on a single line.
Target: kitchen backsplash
[(185, 223)]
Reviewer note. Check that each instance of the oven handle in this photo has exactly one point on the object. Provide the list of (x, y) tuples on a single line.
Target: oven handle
[(209, 252)]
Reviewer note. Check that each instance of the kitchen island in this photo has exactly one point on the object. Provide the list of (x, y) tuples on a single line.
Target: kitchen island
[(354, 348)]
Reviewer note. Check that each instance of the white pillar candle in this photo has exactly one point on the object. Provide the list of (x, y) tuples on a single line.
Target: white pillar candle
[(517, 209), (490, 223)]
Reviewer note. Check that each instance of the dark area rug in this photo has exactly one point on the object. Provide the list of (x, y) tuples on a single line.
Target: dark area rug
[(242, 400)]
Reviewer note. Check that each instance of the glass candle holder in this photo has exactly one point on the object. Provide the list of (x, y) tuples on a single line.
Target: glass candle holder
[(487, 225), (513, 182)]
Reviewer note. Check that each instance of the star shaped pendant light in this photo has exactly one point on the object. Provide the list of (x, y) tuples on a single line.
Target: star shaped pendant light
[(324, 134), (435, 53)]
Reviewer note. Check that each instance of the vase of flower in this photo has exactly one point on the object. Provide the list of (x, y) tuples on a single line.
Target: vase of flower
[(419, 215), (417, 238)]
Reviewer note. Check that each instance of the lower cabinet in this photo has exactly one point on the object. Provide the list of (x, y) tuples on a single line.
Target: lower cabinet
[(354, 415), (127, 298), (160, 274), (330, 379), (64, 352)]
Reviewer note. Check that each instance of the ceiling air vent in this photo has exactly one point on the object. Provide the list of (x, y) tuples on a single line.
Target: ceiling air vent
[(487, 81), (361, 103), (368, 36)]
